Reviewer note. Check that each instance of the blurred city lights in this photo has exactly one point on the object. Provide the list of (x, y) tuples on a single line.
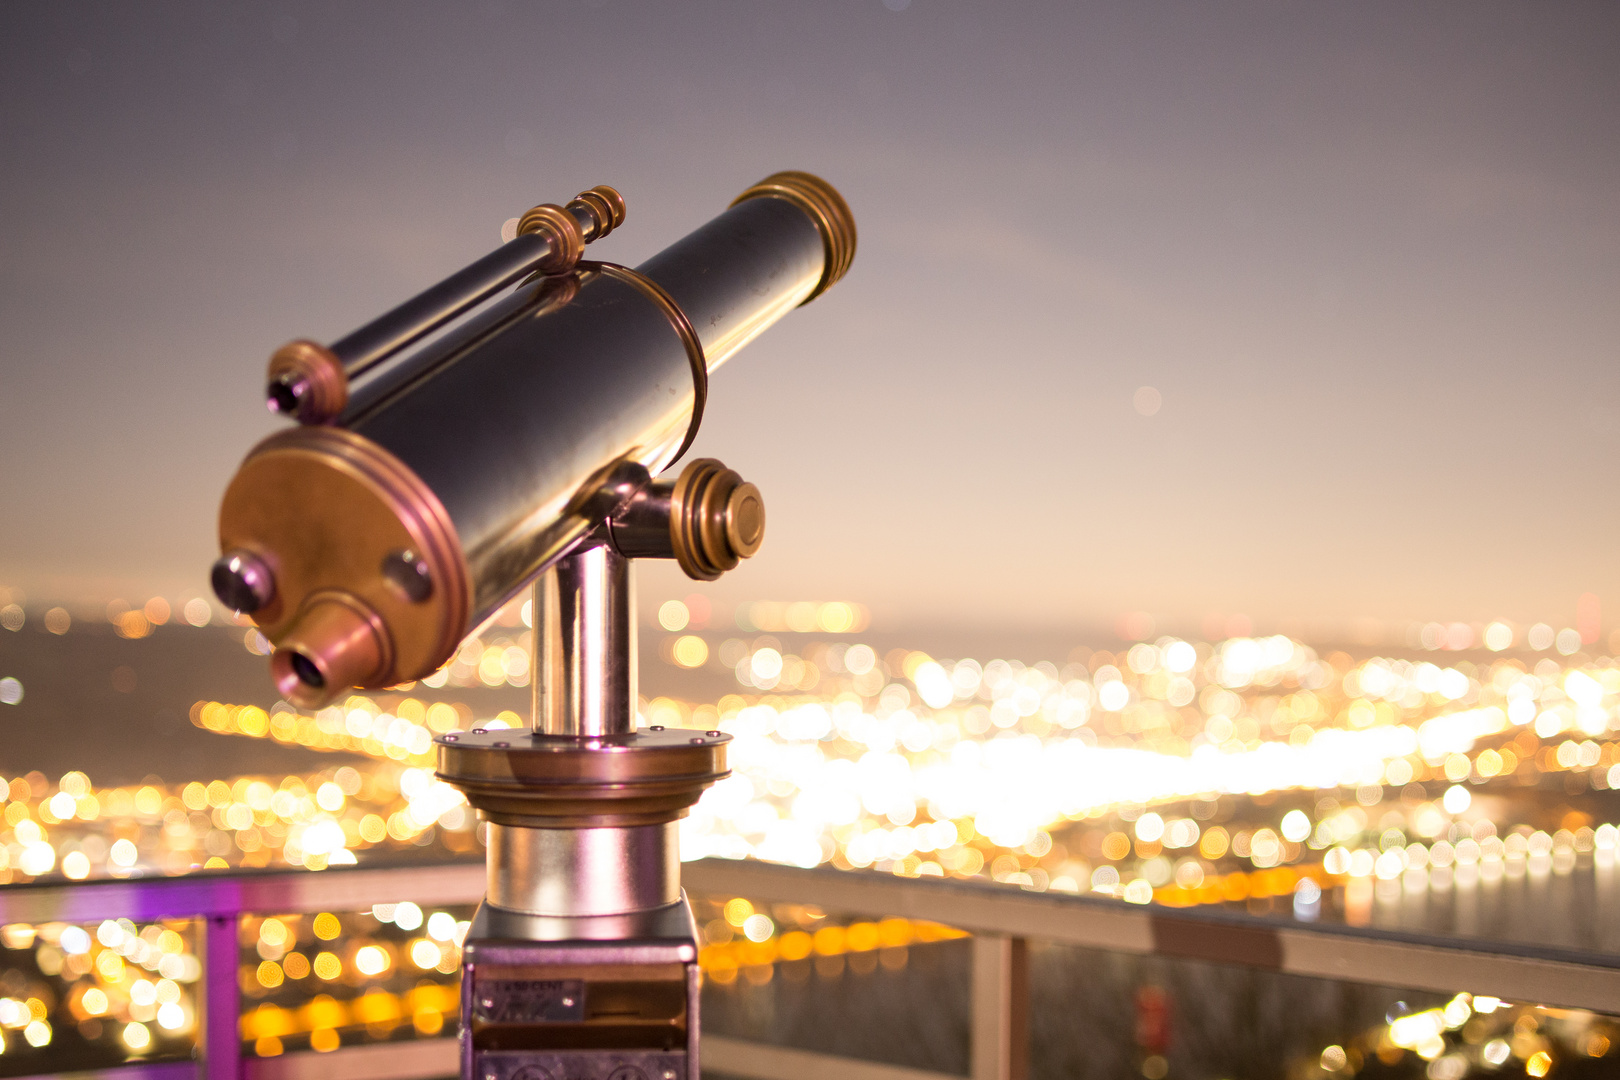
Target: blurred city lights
[(1182, 772)]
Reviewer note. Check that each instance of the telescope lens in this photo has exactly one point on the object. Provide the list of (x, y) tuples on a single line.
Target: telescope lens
[(307, 672)]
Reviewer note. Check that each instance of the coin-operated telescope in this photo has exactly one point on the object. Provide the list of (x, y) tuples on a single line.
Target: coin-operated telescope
[(480, 438)]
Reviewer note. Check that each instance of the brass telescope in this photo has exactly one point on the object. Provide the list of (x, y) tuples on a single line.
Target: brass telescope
[(418, 496), (506, 427)]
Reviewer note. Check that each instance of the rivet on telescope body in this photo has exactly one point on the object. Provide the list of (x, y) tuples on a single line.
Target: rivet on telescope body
[(242, 581), (408, 572)]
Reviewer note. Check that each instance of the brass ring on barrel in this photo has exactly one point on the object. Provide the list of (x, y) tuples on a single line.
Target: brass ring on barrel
[(826, 208), (605, 205), (567, 241)]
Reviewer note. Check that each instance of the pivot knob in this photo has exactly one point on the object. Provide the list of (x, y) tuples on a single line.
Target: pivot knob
[(708, 520)]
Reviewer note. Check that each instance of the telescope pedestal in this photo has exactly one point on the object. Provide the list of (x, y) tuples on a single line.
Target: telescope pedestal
[(610, 997), (581, 963), (462, 444)]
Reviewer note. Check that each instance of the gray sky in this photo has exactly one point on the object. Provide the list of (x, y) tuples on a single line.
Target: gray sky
[(1368, 254)]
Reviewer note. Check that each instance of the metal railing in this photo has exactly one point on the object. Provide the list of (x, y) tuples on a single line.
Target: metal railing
[(1001, 918)]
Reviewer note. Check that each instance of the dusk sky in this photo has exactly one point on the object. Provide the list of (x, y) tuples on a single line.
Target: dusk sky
[(1367, 255)]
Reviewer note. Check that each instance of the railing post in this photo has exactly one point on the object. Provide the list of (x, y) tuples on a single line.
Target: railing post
[(222, 1038), (1000, 1000)]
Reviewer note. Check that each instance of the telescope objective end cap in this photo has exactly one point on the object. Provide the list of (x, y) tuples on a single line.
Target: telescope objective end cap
[(824, 206)]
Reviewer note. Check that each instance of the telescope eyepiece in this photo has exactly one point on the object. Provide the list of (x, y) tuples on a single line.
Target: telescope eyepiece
[(306, 382), (307, 672), (242, 581), (335, 643)]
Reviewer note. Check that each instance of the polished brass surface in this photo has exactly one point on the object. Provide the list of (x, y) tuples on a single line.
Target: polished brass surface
[(745, 520), (715, 519), (325, 508), (606, 207), (826, 207), (409, 573), (538, 781), (336, 642), (683, 329), (568, 240), (472, 452), (307, 382)]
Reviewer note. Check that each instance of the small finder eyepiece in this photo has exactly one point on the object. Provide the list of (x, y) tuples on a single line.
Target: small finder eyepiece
[(285, 394), (242, 581)]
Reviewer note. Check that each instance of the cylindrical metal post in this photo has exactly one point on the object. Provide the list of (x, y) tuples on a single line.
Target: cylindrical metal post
[(584, 687), (600, 871), (584, 674)]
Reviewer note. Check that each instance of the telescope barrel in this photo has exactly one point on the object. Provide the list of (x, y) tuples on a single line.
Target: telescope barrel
[(462, 471)]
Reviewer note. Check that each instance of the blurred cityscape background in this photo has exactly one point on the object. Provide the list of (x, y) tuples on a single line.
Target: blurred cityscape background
[(1461, 787)]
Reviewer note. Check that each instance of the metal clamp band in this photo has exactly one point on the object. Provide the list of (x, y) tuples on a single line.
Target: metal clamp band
[(683, 327)]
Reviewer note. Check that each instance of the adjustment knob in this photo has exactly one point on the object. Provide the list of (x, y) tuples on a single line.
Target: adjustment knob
[(716, 519)]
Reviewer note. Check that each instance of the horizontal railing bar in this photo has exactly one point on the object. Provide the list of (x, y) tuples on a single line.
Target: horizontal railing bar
[(418, 1059), (1508, 970), (761, 1061), (290, 891), (1358, 954), (142, 1070)]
